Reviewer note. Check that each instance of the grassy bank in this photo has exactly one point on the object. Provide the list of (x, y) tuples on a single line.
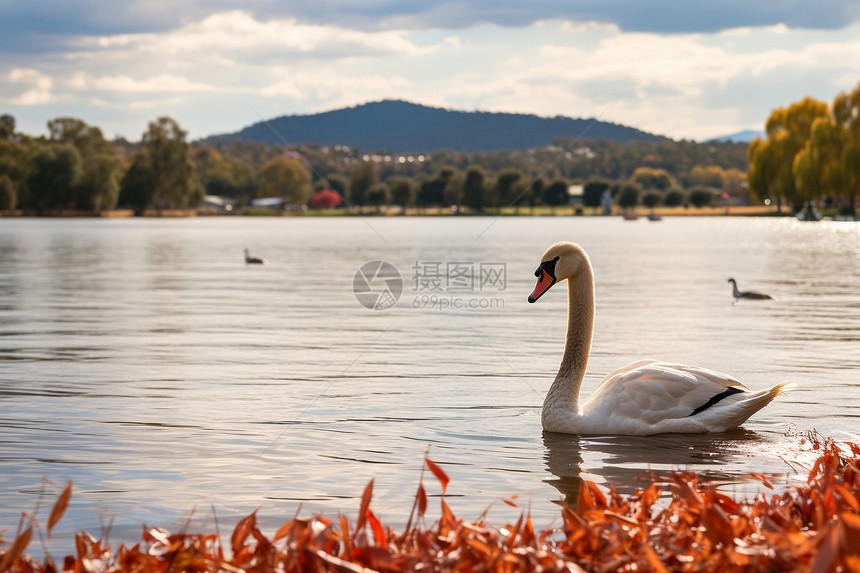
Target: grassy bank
[(743, 211), (543, 211)]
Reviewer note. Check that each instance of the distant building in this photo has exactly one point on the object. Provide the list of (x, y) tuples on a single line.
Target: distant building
[(574, 194), (268, 202)]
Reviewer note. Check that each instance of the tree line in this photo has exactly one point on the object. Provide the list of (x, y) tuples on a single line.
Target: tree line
[(811, 153), (75, 167)]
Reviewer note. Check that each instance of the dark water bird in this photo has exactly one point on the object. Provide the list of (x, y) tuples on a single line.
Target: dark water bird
[(253, 260), (750, 294)]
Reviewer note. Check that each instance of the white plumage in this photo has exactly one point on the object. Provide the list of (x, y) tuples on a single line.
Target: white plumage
[(645, 397)]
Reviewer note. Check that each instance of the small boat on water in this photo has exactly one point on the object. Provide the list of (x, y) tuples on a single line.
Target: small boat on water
[(654, 217), (630, 215)]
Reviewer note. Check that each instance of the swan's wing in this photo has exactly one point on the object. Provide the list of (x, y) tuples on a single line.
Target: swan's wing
[(651, 391)]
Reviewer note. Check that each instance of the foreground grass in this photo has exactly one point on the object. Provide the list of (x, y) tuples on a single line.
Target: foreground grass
[(679, 524)]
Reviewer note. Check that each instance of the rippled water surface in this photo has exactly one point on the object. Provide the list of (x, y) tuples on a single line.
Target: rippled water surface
[(145, 361)]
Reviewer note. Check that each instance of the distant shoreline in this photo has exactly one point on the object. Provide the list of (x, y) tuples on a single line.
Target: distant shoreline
[(737, 211)]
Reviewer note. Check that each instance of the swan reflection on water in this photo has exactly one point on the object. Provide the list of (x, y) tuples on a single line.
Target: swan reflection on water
[(627, 462)]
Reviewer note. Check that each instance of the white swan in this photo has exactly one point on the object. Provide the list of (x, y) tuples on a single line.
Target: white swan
[(646, 397)]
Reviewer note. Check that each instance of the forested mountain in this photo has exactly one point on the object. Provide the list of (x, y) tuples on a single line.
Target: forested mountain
[(399, 126)]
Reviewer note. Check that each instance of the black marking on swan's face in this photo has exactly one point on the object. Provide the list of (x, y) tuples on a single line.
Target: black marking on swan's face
[(549, 267), (546, 278)]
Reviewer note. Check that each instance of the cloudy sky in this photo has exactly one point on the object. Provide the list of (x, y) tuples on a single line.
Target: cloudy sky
[(681, 68)]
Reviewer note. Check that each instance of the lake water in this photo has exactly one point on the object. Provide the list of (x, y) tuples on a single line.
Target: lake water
[(145, 361)]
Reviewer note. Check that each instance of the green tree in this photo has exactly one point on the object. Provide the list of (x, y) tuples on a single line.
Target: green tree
[(734, 180), (8, 197), (99, 185), (53, 175), (138, 185), (534, 193), (674, 198), (223, 177), (337, 183), (87, 139), (506, 187), (701, 197), (377, 196), (474, 189), (651, 199), (168, 157), (13, 160), (285, 177), (628, 196), (401, 192), (452, 195), (651, 178), (707, 176), (432, 191), (592, 193), (363, 177), (7, 126), (491, 192), (555, 193)]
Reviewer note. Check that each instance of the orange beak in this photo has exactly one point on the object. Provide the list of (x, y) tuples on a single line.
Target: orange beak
[(545, 280)]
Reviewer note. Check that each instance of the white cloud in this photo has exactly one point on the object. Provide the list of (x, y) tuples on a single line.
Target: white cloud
[(156, 84), (682, 85), (27, 87), (310, 86), (236, 35), (666, 84)]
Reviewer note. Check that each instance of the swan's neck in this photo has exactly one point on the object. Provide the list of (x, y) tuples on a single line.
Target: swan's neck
[(563, 395), (735, 292)]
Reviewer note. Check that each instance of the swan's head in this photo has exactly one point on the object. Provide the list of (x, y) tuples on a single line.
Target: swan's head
[(731, 281), (561, 261)]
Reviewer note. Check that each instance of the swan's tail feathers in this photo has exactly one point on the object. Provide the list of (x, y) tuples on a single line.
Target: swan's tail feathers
[(745, 405), (781, 388), (755, 401)]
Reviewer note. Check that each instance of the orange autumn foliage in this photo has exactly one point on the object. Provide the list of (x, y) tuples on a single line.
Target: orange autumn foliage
[(676, 525)]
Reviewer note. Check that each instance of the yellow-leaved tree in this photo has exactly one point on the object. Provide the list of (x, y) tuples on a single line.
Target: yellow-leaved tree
[(846, 115), (285, 177), (811, 150)]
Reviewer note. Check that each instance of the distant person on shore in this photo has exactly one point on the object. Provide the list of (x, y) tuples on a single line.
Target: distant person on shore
[(606, 202)]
